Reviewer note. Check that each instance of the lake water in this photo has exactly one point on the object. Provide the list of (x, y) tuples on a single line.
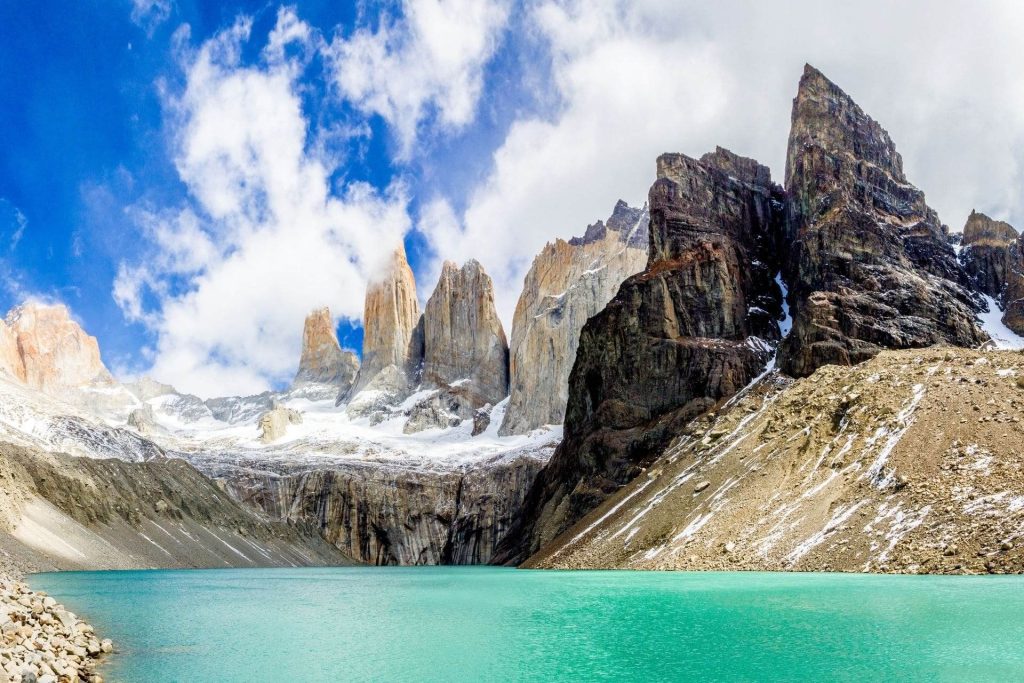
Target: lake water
[(489, 624)]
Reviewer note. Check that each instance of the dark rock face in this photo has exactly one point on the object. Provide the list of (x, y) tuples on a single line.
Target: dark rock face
[(397, 515), (993, 255), (869, 265), (986, 253), (695, 327)]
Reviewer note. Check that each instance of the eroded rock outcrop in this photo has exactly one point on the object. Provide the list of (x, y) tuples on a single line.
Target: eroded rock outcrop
[(568, 283), (392, 332), (42, 347), (323, 363), (695, 327), (274, 423), (868, 262), (993, 255), (463, 340), (986, 253)]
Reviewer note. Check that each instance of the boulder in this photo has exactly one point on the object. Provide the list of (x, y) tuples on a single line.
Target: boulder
[(275, 421)]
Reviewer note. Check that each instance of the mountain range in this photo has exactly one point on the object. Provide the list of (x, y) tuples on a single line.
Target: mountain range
[(738, 374)]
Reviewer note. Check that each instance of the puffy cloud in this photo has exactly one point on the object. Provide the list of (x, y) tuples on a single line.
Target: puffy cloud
[(639, 78), (227, 279), (429, 63)]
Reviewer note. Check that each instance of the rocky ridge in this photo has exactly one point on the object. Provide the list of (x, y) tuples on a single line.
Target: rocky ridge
[(906, 463), (43, 348), (695, 327), (568, 283)]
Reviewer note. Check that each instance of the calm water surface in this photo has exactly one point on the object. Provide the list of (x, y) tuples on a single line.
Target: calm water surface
[(488, 624)]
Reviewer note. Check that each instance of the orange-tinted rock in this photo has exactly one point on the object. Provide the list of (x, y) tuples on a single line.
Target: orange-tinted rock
[(323, 361), (392, 337), (53, 352)]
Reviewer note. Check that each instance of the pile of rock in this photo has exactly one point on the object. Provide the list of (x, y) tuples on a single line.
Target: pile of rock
[(41, 642)]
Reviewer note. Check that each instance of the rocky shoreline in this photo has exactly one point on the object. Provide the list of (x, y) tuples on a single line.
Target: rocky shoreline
[(42, 642)]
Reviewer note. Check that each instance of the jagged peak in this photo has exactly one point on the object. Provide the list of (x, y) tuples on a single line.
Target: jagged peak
[(622, 220), (824, 115)]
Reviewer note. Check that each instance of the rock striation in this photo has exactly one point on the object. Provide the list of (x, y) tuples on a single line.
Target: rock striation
[(323, 363), (568, 283), (695, 327), (868, 263), (396, 515), (392, 332), (993, 255), (42, 347), (463, 339)]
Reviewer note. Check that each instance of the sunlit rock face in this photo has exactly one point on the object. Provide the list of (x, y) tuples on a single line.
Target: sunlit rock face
[(324, 365), (41, 346), (392, 334), (463, 339), (868, 263), (698, 324), (568, 283)]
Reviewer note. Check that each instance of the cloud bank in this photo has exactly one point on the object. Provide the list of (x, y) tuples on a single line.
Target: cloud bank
[(643, 77), (269, 231), (229, 277)]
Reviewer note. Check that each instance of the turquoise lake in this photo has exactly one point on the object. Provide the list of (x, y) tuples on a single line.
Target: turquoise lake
[(490, 624)]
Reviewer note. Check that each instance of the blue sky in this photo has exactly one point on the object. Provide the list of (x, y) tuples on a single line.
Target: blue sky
[(190, 178)]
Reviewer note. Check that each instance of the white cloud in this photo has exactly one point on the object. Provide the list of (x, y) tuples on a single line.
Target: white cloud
[(227, 281), (649, 76), (148, 14), (428, 63)]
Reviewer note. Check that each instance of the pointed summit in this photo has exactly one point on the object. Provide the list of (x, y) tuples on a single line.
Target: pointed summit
[(323, 361), (855, 225), (392, 342)]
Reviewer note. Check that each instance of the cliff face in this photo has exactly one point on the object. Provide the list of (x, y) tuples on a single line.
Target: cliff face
[(906, 463), (986, 253), (868, 263), (63, 512), (463, 339), (993, 255), (568, 283), (392, 337), (42, 347), (397, 515), (323, 362), (696, 326)]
